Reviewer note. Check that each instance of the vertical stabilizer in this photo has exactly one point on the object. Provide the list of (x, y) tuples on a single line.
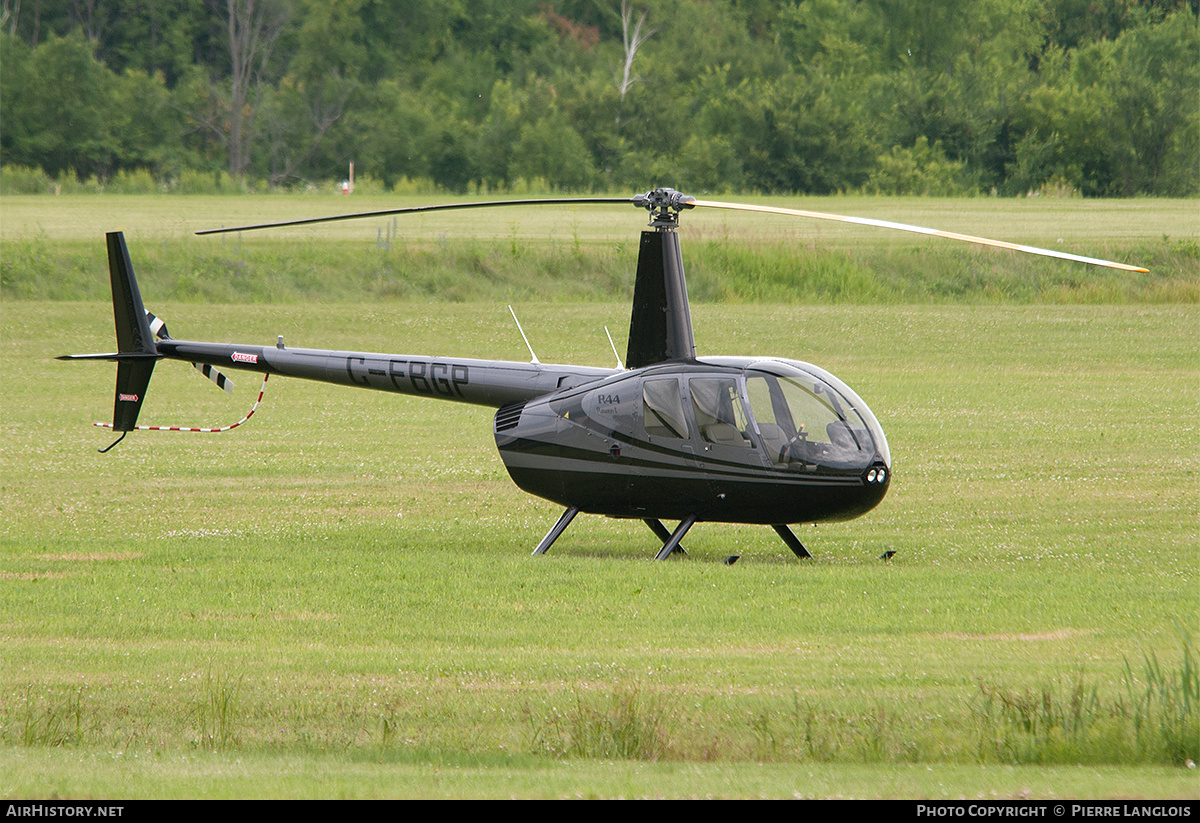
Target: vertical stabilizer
[(133, 377), (133, 327), (136, 351)]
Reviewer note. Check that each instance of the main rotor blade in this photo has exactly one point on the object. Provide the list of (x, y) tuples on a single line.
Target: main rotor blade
[(412, 209), (887, 224)]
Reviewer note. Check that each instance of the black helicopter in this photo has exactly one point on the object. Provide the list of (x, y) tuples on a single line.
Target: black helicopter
[(666, 436)]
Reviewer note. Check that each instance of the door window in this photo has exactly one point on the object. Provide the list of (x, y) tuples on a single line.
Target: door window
[(662, 409)]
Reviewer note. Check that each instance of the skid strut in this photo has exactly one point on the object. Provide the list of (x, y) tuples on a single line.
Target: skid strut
[(661, 532), (792, 541), (556, 532), (676, 536)]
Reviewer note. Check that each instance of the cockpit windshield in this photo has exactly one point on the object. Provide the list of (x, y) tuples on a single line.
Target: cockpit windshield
[(804, 421)]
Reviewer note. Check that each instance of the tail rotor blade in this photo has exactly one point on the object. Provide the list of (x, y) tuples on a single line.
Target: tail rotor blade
[(217, 377), (158, 327)]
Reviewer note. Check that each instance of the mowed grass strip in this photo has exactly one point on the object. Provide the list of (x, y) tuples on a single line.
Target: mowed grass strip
[(242, 774), (346, 578)]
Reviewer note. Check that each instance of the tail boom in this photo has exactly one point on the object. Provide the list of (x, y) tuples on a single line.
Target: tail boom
[(492, 383)]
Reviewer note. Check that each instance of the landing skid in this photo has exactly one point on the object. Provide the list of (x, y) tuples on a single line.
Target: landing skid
[(670, 540)]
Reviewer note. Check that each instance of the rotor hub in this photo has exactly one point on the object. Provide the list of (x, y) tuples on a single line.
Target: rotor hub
[(664, 206)]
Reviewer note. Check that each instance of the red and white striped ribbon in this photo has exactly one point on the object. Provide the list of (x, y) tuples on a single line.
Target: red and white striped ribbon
[(249, 414)]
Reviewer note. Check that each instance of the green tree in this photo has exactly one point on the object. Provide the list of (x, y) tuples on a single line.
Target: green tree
[(253, 27), (147, 128), (801, 136), (1152, 79), (161, 37), (389, 133), (499, 133), (54, 107), (1115, 117), (300, 116), (552, 150), (919, 169), (815, 95)]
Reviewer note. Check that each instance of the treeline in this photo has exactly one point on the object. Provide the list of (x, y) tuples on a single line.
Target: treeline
[(1097, 97)]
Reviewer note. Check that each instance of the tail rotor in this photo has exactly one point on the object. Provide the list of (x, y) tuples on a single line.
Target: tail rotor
[(160, 330)]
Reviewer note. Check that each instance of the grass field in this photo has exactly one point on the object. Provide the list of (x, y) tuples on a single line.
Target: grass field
[(337, 599)]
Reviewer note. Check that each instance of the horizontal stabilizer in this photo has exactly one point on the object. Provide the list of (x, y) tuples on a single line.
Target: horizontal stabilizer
[(115, 356)]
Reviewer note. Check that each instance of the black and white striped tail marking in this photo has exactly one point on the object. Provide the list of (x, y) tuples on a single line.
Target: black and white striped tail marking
[(158, 326), (212, 374), (249, 414), (160, 329)]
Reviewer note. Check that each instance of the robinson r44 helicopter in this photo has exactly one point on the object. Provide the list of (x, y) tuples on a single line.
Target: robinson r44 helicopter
[(667, 436)]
